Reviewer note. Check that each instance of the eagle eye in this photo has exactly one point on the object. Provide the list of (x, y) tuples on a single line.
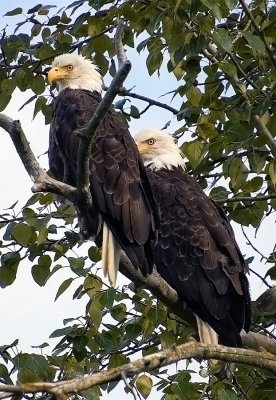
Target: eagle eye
[(69, 67), (151, 141)]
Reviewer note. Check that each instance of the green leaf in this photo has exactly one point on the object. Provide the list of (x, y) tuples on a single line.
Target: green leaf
[(215, 7), (194, 95), (237, 173), (41, 271), (67, 330), (183, 389), (22, 234), (95, 312), (144, 385), (116, 360), (64, 286), (4, 375), (229, 68), (133, 330), (154, 61), (4, 100), (42, 236), (195, 152), (225, 394), (107, 298), (253, 185), (15, 11), (94, 254), (37, 84), (118, 312), (223, 40), (272, 171), (218, 193), (8, 269), (167, 339), (134, 112), (254, 41)]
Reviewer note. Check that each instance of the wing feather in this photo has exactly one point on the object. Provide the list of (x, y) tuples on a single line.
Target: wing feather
[(197, 254)]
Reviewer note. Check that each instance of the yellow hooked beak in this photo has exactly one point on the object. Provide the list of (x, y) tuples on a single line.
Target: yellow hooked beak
[(142, 147), (57, 73)]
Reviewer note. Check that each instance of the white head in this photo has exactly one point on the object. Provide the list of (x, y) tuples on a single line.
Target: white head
[(75, 72), (158, 149)]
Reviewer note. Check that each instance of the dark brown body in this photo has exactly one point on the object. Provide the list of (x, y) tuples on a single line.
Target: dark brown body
[(119, 186), (198, 256)]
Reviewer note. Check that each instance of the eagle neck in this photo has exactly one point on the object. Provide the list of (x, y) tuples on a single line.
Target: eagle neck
[(165, 161)]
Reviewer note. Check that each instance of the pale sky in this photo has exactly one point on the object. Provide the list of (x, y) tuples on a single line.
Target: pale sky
[(32, 314)]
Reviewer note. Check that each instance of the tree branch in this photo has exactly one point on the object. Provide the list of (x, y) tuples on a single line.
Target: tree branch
[(42, 181), (152, 102), (248, 198), (151, 362), (118, 42)]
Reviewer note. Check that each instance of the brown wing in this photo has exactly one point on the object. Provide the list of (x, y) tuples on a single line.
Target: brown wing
[(119, 185), (197, 254)]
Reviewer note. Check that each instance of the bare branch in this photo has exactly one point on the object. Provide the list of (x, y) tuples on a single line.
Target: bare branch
[(152, 102), (118, 42), (42, 181)]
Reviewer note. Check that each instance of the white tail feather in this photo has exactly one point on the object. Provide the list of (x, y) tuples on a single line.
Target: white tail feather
[(111, 252), (206, 333)]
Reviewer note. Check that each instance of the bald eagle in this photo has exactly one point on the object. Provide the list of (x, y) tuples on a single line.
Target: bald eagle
[(119, 186), (196, 253)]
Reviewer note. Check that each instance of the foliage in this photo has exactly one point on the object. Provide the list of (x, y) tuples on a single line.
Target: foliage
[(221, 54)]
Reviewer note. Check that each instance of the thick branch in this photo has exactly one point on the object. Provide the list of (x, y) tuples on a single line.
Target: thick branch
[(151, 362), (42, 181), (118, 42)]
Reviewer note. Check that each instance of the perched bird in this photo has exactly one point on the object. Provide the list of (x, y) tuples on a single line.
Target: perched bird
[(196, 253), (119, 186)]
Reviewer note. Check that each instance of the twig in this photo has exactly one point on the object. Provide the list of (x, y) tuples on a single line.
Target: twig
[(260, 277), (152, 102), (130, 388), (251, 244), (247, 198)]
